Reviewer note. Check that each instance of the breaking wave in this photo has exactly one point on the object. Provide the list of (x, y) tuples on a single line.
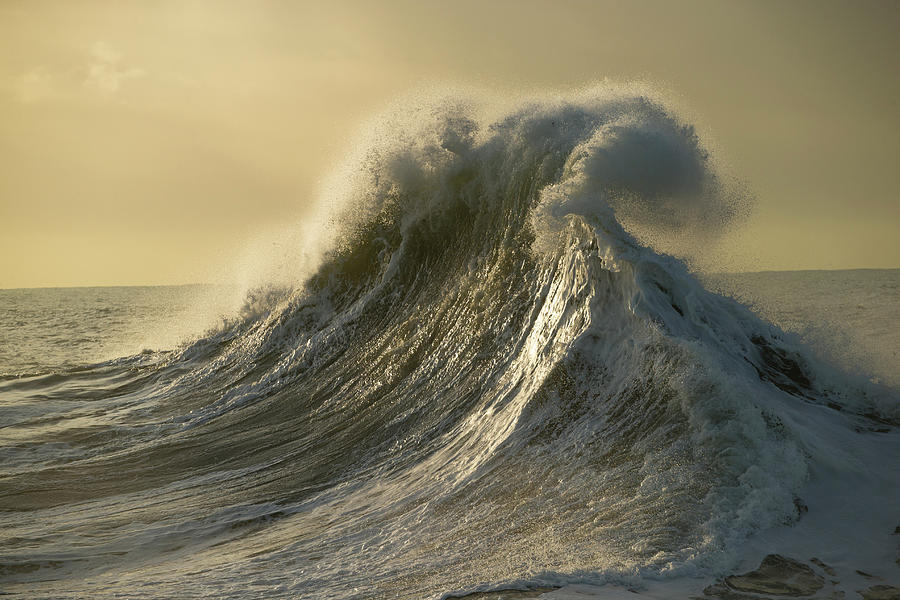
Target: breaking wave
[(484, 379)]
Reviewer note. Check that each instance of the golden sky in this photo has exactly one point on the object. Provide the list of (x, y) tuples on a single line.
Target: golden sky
[(146, 142)]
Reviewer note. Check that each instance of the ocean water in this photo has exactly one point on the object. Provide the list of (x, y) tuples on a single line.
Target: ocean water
[(481, 381), (848, 316), (52, 329)]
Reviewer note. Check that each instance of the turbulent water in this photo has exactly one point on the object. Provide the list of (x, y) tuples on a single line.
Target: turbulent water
[(482, 380)]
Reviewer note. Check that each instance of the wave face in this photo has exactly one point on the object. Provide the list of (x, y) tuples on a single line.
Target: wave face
[(485, 381)]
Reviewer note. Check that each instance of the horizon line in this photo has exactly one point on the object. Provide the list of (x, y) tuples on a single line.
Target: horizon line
[(234, 284)]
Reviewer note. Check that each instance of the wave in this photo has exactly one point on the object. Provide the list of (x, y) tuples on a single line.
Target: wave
[(484, 377)]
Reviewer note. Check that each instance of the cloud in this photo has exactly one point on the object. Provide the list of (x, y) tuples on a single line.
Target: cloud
[(103, 73)]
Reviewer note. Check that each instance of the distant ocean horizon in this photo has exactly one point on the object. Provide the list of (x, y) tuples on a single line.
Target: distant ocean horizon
[(701, 273), (842, 310)]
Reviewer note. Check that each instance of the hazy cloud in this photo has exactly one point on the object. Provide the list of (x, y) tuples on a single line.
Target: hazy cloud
[(103, 73)]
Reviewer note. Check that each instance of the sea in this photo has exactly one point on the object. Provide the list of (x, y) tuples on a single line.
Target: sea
[(483, 385)]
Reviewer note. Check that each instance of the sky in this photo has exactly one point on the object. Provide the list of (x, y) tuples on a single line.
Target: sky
[(148, 142)]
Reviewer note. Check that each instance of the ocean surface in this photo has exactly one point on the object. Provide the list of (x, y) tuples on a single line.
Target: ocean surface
[(480, 381)]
